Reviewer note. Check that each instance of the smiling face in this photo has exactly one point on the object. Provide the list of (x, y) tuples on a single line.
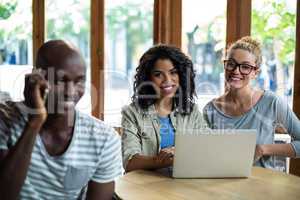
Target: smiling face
[(165, 78), (64, 69), (67, 82), (234, 78)]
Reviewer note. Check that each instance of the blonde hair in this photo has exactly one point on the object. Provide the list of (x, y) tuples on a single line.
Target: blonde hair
[(249, 44)]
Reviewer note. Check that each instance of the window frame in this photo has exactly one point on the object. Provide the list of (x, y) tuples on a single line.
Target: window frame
[(167, 29)]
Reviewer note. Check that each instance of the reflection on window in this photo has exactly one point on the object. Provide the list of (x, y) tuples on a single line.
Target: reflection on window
[(203, 38), (273, 24), (15, 45), (72, 24), (128, 36)]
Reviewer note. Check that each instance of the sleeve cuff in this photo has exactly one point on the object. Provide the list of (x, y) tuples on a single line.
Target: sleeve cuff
[(128, 157), (116, 177), (296, 147)]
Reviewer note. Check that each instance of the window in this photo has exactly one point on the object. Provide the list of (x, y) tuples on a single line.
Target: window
[(15, 46), (128, 32), (72, 24), (273, 24), (203, 39)]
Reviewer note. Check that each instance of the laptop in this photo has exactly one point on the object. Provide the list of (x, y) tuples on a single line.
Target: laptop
[(214, 154)]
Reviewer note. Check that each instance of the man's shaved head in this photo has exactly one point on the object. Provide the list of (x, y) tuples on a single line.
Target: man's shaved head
[(55, 53)]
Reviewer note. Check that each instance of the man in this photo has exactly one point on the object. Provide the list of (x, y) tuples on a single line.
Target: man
[(49, 150)]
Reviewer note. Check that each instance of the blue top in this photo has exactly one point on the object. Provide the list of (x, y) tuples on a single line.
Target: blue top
[(167, 133), (268, 113)]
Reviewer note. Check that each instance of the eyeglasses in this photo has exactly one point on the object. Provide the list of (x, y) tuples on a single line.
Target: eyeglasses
[(231, 65)]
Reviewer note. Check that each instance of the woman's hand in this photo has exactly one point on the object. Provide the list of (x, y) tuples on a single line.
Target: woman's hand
[(169, 150), (165, 156), (259, 152)]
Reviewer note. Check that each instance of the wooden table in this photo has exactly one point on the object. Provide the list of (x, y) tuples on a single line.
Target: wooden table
[(264, 184)]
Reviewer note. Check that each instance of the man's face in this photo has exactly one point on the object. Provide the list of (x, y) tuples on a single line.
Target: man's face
[(67, 83)]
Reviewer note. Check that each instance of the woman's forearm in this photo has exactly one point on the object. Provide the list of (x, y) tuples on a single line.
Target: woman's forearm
[(278, 150), (147, 162)]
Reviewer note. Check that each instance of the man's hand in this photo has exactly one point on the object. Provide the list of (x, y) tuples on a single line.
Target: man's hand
[(35, 88), (17, 159)]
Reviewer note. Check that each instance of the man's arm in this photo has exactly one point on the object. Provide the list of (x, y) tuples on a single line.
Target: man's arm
[(103, 191), (14, 162), (109, 168)]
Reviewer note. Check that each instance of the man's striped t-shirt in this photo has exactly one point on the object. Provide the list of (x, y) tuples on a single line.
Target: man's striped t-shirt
[(94, 154)]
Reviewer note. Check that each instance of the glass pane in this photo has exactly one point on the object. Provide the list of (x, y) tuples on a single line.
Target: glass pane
[(203, 38), (128, 35), (15, 46), (274, 25), (72, 24)]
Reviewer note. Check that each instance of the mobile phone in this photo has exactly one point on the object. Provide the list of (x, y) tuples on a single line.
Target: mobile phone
[(45, 94)]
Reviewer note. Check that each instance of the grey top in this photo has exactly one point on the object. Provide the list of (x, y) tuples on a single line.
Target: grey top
[(268, 113)]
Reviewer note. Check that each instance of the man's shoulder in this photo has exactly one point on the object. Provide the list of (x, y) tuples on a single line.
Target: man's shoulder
[(93, 126), (12, 121), (4, 96), (89, 120)]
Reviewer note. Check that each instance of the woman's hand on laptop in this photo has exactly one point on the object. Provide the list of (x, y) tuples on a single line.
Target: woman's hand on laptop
[(165, 156), (169, 151)]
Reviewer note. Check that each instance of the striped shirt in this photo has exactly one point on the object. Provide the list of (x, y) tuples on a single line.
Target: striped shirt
[(94, 154)]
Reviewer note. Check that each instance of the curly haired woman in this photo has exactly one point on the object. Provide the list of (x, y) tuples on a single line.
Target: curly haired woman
[(162, 105)]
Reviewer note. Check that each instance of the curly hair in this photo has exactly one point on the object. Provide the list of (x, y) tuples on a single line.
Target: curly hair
[(144, 92)]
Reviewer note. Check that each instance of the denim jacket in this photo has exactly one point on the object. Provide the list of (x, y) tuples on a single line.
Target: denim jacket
[(141, 129)]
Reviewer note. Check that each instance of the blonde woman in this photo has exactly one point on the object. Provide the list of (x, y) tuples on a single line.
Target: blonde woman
[(245, 107)]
